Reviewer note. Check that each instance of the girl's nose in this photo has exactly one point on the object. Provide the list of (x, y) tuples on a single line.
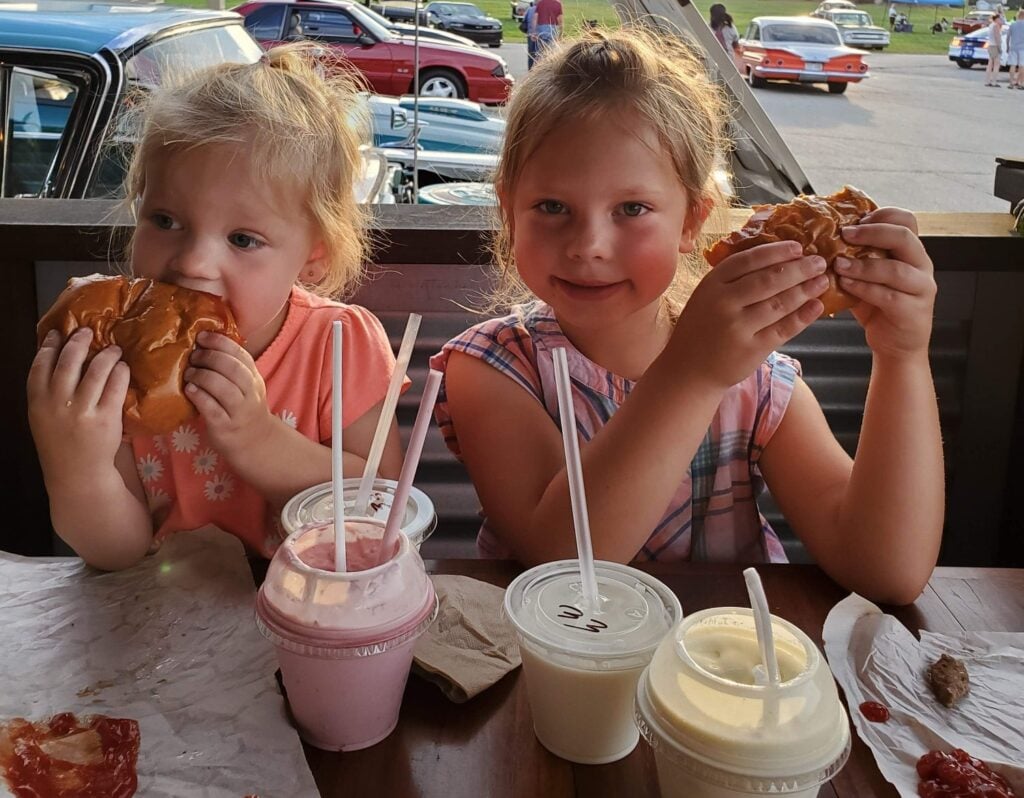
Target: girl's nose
[(589, 239), (195, 260)]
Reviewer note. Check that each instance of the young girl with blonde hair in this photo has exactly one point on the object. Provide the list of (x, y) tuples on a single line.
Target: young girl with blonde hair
[(683, 407), (242, 183)]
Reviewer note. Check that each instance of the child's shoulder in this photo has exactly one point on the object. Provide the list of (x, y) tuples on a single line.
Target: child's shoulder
[(524, 323), (318, 310)]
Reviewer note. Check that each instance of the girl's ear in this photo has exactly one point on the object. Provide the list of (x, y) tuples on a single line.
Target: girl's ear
[(315, 268), (698, 214)]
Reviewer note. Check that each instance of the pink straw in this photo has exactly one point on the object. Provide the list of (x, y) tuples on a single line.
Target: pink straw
[(412, 461), (337, 456)]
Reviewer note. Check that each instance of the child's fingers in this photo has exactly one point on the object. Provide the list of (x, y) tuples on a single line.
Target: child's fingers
[(207, 405), (889, 215), (778, 252), (891, 302), (226, 393), (224, 363), (901, 242), (112, 398), (772, 281), (68, 371), (221, 343), (43, 363), (790, 325), (94, 381), (896, 274), (768, 312)]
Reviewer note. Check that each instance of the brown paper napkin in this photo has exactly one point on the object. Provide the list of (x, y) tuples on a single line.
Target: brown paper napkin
[(470, 646)]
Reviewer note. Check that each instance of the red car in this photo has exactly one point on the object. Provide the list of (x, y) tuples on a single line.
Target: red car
[(385, 60)]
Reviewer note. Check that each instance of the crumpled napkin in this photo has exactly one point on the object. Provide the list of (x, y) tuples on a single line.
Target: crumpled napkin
[(470, 646)]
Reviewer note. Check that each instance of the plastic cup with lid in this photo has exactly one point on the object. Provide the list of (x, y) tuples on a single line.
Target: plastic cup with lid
[(345, 640), (316, 505), (581, 665), (718, 726)]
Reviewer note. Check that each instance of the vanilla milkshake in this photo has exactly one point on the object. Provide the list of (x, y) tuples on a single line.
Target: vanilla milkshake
[(582, 663)]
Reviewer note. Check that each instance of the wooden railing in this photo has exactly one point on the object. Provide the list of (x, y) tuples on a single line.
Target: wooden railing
[(434, 261)]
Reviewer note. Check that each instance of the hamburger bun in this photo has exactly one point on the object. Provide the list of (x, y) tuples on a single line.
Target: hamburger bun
[(816, 222), (156, 325)]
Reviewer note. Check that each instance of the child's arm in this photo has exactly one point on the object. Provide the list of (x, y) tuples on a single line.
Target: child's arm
[(270, 455), (97, 504), (875, 524), (633, 465)]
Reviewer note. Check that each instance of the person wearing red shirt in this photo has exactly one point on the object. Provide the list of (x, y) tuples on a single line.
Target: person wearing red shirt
[(548, 21)]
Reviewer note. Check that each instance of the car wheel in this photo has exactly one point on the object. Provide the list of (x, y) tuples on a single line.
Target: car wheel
[(755, 81), (441, 83), (837, 88), (494, 44), (964, 63)]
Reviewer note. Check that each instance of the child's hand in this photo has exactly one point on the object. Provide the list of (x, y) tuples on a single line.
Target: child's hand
[(745, 307), (229, 393), (897, 293), (75, 418)]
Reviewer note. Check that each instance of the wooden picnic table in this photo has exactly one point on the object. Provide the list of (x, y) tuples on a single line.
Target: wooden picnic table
[(486, 747)]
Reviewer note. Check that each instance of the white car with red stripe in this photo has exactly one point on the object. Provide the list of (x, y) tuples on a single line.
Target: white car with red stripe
[(800, 50)]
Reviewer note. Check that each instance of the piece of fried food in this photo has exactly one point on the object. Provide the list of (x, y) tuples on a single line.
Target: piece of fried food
[(948, 679)]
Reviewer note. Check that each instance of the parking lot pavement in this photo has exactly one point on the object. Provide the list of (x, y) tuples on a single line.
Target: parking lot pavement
[(921, 133)]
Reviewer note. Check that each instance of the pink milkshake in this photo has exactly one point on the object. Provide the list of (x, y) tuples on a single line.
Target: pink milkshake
[(345, 640)]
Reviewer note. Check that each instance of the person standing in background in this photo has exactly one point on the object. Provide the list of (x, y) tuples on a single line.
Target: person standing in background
[(995, 50), (725, 31), (1015, 51), (530, 27), (892, 16), (549, 23)]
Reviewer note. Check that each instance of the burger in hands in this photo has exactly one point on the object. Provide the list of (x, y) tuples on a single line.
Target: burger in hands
[(817, 223), (155, 325)]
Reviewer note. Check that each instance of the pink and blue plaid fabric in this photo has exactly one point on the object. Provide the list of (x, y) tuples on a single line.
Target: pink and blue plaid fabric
[(713, 515)]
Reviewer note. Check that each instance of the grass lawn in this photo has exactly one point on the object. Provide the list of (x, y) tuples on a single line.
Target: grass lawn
[(921, 41)]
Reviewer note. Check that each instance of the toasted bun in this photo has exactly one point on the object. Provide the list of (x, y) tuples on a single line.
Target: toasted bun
[(156, 325), (816, 223)]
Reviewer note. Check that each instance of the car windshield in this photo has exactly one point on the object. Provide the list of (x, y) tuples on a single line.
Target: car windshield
[(369, 20), (804, 34), (198, 49), (461, 9), (853, 18)]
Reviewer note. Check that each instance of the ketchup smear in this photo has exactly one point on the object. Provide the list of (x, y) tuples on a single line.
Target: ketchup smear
[(958, 775), (875, 712), (30, 772)]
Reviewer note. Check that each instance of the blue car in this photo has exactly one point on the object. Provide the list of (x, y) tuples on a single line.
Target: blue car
[(69, 73), (446, 124)]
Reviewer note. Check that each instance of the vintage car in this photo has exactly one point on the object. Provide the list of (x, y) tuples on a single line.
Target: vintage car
[(972, 21), (386, 61), (833, 5), (401, 10), (67, 73), (966, 51), (408, 31), (466, 20), (444, 124), (800, 50), (857, 28)]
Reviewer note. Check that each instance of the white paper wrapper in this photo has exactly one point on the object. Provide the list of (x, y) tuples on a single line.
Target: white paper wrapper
[(876, 658), (170, 643)]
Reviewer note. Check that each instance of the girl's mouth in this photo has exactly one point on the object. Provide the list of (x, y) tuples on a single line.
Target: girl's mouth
[(588, 291)]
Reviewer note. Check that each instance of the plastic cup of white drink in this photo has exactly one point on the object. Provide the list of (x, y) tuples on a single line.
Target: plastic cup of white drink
[(581, 665), (719, 729)]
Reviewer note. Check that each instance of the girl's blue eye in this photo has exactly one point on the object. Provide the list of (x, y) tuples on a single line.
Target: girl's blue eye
[(633, 209), (552, 206), (243, 241)]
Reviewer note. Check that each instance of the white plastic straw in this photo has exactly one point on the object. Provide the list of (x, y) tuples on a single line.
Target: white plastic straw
[(412, 461), (574, 470), (762, 624), (387, 412), (337, 456)]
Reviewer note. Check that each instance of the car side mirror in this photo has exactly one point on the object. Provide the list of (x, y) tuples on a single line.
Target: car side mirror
[(366, 40)]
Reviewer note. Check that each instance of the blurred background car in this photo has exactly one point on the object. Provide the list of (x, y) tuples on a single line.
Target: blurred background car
[(972, 21), (425, 31), (799, 50), (519, 9), (857, 28), (466, 20), (401, 10), (445, 124), (833, 5), (972, 49), (387, 62)]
